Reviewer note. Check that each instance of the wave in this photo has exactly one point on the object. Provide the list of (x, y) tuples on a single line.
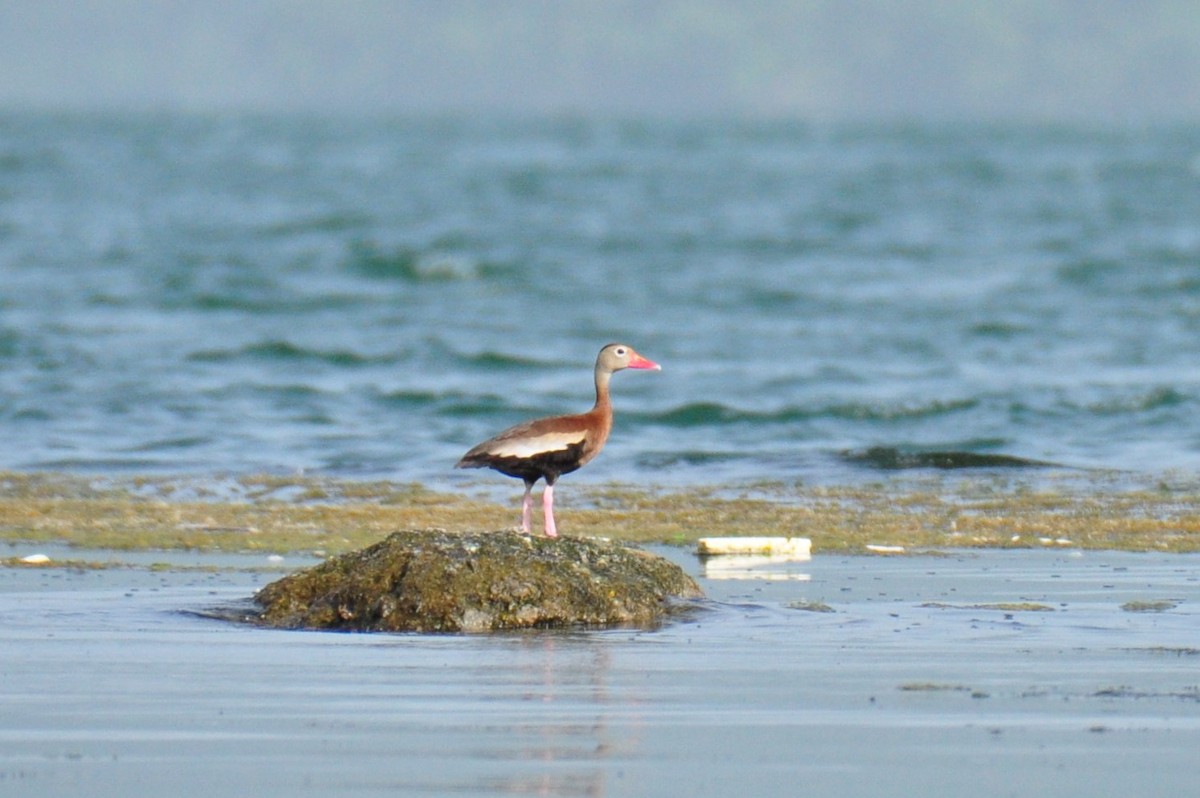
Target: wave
[(690, 457), (490, 406), (283, 351), (108, 464), (891, 458), (9, 342), (170, 444), (26, 414), (457, 404), (699, 414), (1096, 272), (410, 399), (325, 223), (1156, 399), (412, 265), (999, 330), (240, 390), (502, 361), (254, 303)]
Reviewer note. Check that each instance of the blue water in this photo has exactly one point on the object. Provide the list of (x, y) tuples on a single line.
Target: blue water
[(370, 297)]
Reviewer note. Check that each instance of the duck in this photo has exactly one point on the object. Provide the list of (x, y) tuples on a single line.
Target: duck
[(546, 448)]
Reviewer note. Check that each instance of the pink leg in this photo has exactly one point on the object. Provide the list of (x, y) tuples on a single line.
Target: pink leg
[(548, 507), (527, 509)]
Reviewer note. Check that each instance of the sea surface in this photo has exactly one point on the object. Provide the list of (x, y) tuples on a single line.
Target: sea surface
[(369, 297)]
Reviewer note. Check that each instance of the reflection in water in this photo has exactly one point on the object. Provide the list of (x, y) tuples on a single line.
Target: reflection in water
[(565, 682), (773, 567)]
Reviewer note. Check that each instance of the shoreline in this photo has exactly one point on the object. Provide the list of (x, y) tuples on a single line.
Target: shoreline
[(323, 516)]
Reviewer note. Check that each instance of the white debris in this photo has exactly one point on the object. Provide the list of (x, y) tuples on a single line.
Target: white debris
[(795, 548)]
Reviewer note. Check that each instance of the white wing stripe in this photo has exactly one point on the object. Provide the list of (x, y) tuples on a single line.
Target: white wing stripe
[(530, 447)]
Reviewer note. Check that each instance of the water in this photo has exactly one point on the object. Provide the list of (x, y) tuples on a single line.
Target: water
[(370, 297), (908, 687)]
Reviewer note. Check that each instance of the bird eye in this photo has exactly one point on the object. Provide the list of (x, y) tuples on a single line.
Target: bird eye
[(621, 351)]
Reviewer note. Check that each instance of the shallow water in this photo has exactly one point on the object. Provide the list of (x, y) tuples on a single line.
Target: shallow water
[(112, 687)]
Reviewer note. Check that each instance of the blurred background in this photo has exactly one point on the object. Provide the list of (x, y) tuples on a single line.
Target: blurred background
[(1096, 60), (356, 238)]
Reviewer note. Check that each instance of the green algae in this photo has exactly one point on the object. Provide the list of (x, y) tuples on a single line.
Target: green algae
[(1125, 691), (1149, 606), (806, 605), (327, 516), (118, 565), (73, 565), (434, 581), (999, 606), (1178, 651), (935, 687)]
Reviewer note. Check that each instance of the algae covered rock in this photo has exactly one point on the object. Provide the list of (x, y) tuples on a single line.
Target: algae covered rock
[(435, 581)]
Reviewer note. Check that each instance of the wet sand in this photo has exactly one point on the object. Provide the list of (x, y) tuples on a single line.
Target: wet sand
[(925, 679)]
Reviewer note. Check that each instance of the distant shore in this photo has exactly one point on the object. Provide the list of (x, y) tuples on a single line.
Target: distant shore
[(325, 516)]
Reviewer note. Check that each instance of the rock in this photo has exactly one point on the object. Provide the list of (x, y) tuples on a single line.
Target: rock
[(435, 581)]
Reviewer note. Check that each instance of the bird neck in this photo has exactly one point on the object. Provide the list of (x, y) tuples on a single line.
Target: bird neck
[(603, 402)]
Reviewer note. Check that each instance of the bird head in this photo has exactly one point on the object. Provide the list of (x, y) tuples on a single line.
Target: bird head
[(615, 357)]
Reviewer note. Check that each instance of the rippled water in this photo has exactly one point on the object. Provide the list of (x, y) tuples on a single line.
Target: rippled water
[(373, 296)]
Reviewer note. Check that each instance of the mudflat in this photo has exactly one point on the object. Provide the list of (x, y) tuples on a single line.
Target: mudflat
[(988, 672)]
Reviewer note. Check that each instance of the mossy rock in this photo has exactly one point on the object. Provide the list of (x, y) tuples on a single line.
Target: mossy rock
[(434, 581)]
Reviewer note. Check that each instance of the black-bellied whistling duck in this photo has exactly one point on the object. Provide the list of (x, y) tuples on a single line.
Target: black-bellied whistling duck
[(547, 448)]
